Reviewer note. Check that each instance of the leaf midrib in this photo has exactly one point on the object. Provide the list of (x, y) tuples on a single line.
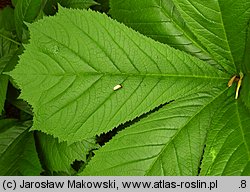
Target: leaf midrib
[(128, 75)]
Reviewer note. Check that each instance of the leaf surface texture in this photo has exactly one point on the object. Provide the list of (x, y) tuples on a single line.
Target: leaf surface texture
[(75, 59), (17, 149), (58, 157), (223, 33), (161, 21), (167, 142)]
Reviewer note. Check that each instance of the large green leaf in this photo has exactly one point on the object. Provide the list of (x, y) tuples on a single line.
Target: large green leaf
[(220, 25), (167, 142), (227, 149), (74, 59), (17, 149), (161, 21), (171, 141), (59, 156)]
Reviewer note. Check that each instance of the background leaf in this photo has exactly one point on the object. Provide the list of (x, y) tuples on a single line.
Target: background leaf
[(59, 156), (7, 50), (17, 149), (7, 44), (26, 11), (246, 62), (7, 24), (3, 91), (161, 21), (82, 4), (69, 78), (14, 2), (227, 149), (223, 33), (245, 89), (101, 6), (51, 6)]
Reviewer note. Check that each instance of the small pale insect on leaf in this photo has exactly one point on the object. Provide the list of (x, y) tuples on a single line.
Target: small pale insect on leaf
[(117, 87)]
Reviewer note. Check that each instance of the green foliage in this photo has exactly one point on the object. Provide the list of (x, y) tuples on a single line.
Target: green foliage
[(7, 49), (65, 90), (52, 5), (227, 146), (167, 142), (59, 156), (82, 4), (7, 24), (174, 113), (26, 11), (161, 21), (18, 154)]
